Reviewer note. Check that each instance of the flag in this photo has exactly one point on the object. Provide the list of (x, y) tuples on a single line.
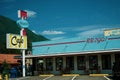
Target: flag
[(22, 14)]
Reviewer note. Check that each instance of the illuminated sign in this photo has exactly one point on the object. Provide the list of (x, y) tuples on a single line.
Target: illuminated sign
[(23, 23), (112, 32), (16, 41)]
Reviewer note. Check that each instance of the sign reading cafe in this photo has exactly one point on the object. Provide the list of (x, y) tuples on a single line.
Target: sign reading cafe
[(16, 41)]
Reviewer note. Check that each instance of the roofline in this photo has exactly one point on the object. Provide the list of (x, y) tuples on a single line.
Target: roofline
[(72, 53)]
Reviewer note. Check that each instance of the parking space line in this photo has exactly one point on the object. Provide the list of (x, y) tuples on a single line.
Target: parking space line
[(74, 77), (47, 78), (106, 78)]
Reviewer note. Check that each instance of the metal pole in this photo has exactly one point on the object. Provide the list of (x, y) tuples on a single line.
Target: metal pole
[(23, 60), (23, 56)]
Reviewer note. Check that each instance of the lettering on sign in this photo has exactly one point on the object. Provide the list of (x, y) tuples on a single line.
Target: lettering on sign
[(17, 41), (95, 40)]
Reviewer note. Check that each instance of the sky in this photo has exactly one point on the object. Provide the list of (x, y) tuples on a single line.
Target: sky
[(61, 19)]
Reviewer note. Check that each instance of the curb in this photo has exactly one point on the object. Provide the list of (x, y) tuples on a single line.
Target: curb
[(98, 74), (46, 75), (70, 75)]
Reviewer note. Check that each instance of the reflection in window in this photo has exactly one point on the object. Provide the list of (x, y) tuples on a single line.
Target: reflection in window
[(106, 61), (59, 63), (49, 64), (81, 62), (93, 62)]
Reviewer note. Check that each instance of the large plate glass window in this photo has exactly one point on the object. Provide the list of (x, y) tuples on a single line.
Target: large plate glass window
[(59, 63), (70, 63), (93, 62), (49, 64), (81, 62), (106, 61), (40, 65)]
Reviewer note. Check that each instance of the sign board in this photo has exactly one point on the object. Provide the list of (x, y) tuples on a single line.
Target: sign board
[(16, 41), (23, 23), (112, 32), (22, 14)]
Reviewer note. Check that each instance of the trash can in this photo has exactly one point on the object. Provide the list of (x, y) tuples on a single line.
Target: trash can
[(13, 72)]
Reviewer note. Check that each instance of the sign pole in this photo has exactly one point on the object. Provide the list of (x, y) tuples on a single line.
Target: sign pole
[(23, 60), (24, 24), (23, 54)]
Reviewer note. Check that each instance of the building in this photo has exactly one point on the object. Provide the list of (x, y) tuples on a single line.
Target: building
[(76, 55), (10, 59)]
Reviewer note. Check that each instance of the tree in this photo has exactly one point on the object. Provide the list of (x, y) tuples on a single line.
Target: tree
[(5, 69)]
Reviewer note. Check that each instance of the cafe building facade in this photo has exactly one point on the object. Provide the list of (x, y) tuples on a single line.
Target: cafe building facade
[(81, 55)]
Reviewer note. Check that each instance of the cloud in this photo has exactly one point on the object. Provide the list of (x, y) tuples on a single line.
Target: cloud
[(48, 32), (31, 13), (58, 38), (86, 28), (92, 32), (34, 31), (80, 28)]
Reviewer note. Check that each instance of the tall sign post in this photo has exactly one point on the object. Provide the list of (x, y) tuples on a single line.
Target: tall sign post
[(23, 24), (19, 41)]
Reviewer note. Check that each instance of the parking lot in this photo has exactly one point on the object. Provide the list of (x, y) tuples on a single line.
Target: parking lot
[(83, 77)]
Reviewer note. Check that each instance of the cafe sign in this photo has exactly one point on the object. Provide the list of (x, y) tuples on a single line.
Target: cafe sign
[(16, 41)]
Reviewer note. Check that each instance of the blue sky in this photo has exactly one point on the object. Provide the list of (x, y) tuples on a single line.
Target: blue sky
[(59, 19)]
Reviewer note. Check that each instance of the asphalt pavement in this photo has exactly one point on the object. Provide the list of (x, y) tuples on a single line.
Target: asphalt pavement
[(83, 77)]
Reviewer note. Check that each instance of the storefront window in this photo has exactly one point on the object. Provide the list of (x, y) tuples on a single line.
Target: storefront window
[(106, 61), (49, 64), (117, 57), (81, 62), (59, 63), (70, 63), (40, 65), (93, 62)]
